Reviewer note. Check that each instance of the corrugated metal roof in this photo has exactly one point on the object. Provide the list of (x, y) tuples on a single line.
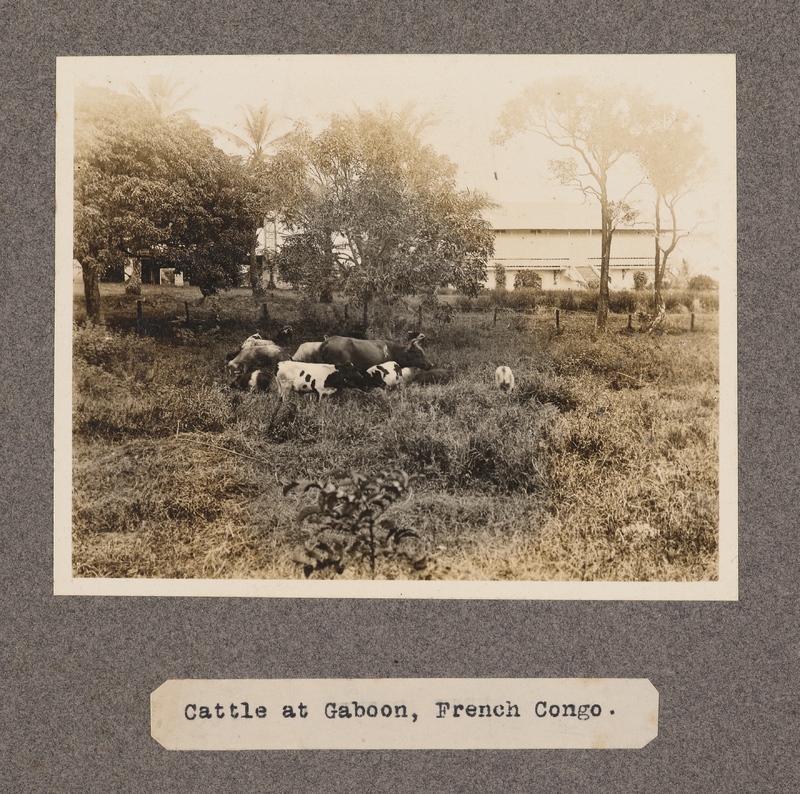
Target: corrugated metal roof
[(544, 216)]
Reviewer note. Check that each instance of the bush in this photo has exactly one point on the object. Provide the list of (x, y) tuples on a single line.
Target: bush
[(702, 282), (345, 524), (623, 302), (527, 279), (500, 278)]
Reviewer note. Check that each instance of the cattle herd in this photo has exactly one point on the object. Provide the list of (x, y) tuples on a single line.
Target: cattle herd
[(338, 362)]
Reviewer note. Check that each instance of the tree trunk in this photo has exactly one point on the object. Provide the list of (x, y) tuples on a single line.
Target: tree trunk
[(91, 292), (271, 267), (660, 261), (256, 274), (134, 285), (605, 264)]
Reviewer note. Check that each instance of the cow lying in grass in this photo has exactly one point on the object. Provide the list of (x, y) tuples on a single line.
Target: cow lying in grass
[(322, 379), (256, 353), (257, 380), (366, 353)]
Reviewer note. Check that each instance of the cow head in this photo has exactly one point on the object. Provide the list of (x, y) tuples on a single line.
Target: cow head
[(415, 355)]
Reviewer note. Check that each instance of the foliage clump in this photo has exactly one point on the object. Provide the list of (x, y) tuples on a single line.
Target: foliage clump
[(345, 525)]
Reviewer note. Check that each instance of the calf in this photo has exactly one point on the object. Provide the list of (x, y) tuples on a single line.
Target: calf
[(504, 379), (385, 375), (308, 352), (324, 379)]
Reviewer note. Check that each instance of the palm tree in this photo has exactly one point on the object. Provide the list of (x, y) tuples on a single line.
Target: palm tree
[(257, 132), (166, 95), (257, 125)]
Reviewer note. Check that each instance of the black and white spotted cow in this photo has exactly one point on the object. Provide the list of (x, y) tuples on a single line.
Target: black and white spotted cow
[(322, 379), (384, 376), (257, 380)]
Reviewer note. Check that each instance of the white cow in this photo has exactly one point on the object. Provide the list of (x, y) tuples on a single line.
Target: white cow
[(308, 352)]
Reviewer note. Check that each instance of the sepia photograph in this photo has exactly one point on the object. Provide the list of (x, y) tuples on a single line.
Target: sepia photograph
[(418, 326)]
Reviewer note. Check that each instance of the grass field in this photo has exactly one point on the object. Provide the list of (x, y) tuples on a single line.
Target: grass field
[(602, 465)]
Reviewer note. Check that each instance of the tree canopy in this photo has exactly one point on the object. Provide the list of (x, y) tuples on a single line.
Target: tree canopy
[(155, 186), (375, 212), (602, 125), (675, 160)]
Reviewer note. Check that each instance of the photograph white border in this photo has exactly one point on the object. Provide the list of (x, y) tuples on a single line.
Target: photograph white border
[(725, 588)]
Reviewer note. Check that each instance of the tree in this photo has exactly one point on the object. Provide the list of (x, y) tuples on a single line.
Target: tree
[(500, 277), (675, 161), (527, 279), (601, 125), (639, 280), (376, 212), (147, 186), (702, 282), (257, 138), (166, 95)]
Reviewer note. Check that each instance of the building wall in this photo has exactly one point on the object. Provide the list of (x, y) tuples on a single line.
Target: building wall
[(555, 255)]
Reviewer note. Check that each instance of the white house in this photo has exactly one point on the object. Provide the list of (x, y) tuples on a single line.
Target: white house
[(561, 244)]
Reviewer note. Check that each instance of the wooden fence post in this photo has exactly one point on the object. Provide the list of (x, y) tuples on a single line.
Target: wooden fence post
[(419, 317), (558, 320), (139, 328), (691, 328), (630, 322), (494, 322), (186, 309), (264, 313)]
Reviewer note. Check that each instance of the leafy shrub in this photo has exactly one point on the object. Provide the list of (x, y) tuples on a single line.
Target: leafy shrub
[(345, 523), (500, 277), (702, 282), (527, 279)]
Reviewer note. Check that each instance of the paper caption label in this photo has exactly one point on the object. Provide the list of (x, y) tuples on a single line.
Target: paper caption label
[(404, 714)]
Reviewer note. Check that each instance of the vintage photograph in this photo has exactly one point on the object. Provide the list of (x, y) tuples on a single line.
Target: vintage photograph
[(420, 326)]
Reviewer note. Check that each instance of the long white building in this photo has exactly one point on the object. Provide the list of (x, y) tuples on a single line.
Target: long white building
[(561, 244)]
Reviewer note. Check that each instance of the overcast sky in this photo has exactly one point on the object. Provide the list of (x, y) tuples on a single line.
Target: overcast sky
[(465, 93)]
